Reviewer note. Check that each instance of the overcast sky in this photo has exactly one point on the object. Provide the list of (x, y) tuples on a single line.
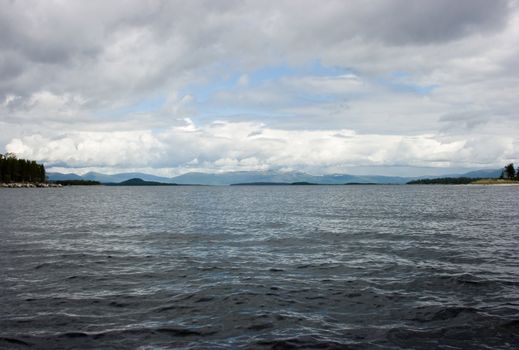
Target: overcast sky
[(167, 87)]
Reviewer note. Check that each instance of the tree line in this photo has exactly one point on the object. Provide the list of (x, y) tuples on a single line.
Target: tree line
[(13, 169), (509, 172), (76, 182), (444, 181)]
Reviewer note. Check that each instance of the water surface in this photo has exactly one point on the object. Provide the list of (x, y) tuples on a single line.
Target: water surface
[(329, 267)]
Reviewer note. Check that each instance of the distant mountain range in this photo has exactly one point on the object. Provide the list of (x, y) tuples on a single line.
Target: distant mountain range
[(485, 173), (103, 178), (240, 177)]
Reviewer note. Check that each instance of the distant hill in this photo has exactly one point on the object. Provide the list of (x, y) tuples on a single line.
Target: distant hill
[(273, 184), (242, 177), (63, 177), (125, 176), (269, 176), (140, 182), (261, 184), (103, 178), (483, 174), (235, 177)]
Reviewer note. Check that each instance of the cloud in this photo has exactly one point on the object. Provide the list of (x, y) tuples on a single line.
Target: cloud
[(244, 145), (141, 46), (90, 148), (402, 22), (247, 84)]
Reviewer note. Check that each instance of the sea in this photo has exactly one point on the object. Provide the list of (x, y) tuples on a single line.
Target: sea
[(260, 267)]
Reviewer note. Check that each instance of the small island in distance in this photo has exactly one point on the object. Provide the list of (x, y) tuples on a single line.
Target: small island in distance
[(139, 182), (299, 183), (77, 182)]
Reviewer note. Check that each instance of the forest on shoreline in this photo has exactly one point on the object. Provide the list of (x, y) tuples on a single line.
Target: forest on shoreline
[(13, 169), (508, 176)]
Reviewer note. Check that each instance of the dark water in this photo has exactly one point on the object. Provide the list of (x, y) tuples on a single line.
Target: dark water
[(328, 267)]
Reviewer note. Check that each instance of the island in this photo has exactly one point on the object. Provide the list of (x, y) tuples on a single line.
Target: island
[(299, 183), (139, 182), (76, 182)]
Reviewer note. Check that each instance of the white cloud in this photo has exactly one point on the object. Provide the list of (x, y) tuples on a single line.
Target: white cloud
[(245, 145), (136, 148), (423, 84)]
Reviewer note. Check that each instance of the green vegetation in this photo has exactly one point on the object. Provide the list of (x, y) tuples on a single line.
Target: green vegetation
[(361, 183), (261, 184), (508, 176), (443, 181), (495, 182), (13, 169), (77, 182), (509, 172)]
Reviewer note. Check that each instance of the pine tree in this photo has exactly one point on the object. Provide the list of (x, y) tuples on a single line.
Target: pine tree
[(510, 171), (20, 170)]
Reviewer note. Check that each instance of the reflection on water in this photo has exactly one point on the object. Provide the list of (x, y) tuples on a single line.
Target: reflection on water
[(396, 267)]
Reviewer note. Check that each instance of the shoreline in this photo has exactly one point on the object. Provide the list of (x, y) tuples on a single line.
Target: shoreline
[(496, 182), (29, 185), (493, 184)]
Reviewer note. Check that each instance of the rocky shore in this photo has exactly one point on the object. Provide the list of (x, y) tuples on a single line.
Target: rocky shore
[(28, 185)]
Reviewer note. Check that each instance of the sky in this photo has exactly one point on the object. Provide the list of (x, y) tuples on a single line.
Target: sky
[(389, 87)]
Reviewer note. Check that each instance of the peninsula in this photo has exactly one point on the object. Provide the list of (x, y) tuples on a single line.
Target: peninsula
[(22, 173), (509, 176)]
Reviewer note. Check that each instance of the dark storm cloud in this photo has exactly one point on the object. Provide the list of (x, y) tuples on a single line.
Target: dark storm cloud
[(39, 37), (55, 44), (425, 22)]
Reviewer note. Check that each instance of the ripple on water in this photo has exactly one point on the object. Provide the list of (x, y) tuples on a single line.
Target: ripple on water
[(331, 267)]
